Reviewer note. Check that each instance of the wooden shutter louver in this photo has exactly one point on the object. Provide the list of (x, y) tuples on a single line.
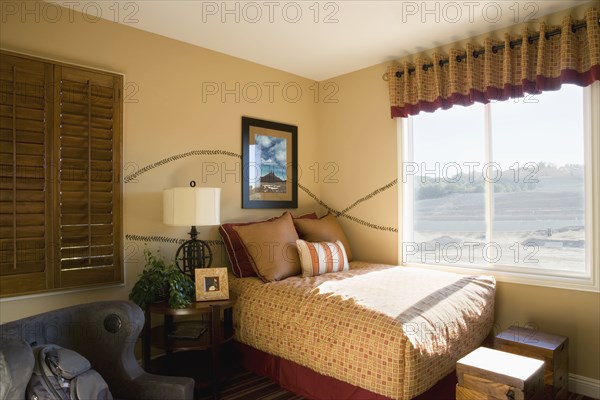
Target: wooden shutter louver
[(60, 164), (25, 111), (89, 110)]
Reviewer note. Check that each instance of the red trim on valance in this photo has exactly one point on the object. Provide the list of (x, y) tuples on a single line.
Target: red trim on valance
[(541, 84), (500, 70)]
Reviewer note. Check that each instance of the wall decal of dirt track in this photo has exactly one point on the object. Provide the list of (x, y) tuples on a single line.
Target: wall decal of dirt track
[(130, 178), (166, 239)]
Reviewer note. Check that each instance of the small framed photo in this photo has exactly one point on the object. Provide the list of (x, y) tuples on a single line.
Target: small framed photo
[(270, 164), (211, 284)]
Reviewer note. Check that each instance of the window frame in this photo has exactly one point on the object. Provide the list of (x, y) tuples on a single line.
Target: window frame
[(56, 279), (503, 273)]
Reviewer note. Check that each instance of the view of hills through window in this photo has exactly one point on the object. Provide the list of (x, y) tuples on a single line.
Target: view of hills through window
[(529, 157)]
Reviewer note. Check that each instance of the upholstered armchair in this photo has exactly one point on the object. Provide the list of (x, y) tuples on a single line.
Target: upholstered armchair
[(104, 332)]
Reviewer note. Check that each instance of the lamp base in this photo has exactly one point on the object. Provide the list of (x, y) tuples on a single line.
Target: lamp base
[(193, 254)]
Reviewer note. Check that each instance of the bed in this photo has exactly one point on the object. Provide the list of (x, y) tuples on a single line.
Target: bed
[(388, 330)]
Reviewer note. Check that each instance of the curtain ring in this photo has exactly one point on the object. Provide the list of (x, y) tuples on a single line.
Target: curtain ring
[(530, 39), (475, 54), (425, 67), (494, 49), (441, 63), (458, 59), (399, 74), (546, 36), (385, 76)]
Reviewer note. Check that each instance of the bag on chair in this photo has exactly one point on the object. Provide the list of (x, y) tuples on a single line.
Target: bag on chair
[(63, 374)]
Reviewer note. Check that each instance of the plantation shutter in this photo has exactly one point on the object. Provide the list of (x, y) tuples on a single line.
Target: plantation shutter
[(60, 192), (89, 197), (25, 198)]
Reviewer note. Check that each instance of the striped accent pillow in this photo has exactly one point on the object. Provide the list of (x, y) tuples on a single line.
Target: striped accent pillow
[(318, 258)]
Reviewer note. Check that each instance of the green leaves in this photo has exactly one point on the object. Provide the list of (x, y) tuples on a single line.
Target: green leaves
[(156, 276)]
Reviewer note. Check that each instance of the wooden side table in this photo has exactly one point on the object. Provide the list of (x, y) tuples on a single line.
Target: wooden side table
[(491, 374), (175, 361), (552, 349)]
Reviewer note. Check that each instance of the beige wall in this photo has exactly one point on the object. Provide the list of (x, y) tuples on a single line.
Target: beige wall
[(165, 114), (363, 135), (570, 313), (351, 136), (359, 136)]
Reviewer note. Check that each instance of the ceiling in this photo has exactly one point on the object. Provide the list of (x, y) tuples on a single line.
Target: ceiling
[(319, 39)]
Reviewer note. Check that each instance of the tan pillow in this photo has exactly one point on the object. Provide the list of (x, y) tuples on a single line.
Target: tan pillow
[(324, 229), (271, 247), (321, 257), (241, 266)]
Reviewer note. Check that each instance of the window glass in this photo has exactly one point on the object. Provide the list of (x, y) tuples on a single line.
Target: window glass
[(448, 205), (498, 186), (539, 198)]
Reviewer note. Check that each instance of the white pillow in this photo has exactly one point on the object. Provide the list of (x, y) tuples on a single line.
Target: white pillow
[(318, 258)]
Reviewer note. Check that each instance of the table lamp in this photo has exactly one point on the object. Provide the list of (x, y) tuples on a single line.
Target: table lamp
[(192, 206)]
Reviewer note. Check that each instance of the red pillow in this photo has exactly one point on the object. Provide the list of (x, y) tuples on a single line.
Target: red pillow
[(241, 266)]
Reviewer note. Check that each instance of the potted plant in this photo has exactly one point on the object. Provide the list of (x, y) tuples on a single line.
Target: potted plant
[(161, 282)]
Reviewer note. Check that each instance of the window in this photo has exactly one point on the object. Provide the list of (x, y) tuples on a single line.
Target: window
[(504, 187), (60, 159)]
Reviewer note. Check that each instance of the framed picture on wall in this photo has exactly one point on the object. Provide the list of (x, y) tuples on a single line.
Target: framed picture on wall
[(269, 164)]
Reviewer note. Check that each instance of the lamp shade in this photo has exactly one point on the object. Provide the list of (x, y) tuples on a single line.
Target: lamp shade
[(192, 206)]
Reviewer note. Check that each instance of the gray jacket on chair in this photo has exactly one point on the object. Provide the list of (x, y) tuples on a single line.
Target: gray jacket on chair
[(103, 332)]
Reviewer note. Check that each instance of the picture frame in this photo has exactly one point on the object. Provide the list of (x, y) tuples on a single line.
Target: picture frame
[(211, 284), (269, 164)]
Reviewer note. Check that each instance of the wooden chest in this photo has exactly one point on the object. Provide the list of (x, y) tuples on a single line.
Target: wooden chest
[(552, 349), (487, 374)]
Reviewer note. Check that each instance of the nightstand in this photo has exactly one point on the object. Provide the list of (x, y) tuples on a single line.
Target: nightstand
[(552, 349), (491, 374), (192, 347)]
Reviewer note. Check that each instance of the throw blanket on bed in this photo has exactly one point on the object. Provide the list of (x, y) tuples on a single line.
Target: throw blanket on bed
[(392, 330)]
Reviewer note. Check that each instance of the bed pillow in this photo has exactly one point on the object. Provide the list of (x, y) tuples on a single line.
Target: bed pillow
[(238, 258), (318, 258), (311, 215), (271, 247), (324, 229)]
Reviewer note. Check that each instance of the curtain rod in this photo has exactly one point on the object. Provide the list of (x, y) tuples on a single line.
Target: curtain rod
[(495, 48)]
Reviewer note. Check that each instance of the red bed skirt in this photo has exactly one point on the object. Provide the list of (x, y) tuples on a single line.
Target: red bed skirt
[(312, 385)]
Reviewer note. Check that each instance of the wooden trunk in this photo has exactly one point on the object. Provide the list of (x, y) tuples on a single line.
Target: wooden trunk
[(486, 374), (552, 349)]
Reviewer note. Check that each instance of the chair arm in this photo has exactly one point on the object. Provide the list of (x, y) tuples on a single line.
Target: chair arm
[(112, 354), (16, 366), (105, 333)]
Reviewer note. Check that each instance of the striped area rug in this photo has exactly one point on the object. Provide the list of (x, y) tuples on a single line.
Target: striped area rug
[(574, 396), (248, 386)]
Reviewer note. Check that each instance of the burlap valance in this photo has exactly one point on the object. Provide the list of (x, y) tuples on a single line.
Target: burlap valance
[(534, 65)]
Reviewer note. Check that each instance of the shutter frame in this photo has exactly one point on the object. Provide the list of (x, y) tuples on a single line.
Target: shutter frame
[(25, 202), (104, 214)]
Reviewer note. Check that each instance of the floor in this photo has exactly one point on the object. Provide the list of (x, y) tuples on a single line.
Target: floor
[(248, 386)]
